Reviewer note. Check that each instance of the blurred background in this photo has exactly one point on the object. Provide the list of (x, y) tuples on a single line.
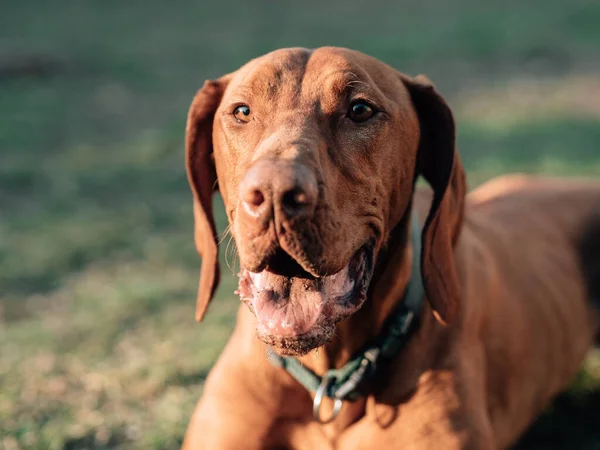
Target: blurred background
[(98, 271)]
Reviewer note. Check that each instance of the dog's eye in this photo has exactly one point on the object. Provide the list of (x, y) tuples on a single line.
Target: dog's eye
[(242, 113), (360, 111)]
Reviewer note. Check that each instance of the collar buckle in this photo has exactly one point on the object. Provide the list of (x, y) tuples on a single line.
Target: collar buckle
[(364, 370), (321, 391)]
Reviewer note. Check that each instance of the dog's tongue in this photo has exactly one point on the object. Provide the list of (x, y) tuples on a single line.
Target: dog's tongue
[(290, 306)]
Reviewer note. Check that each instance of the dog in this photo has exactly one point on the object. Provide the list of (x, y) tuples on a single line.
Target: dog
[(451, 318)]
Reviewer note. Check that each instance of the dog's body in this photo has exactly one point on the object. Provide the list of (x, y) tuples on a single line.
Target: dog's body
[(522, 256)]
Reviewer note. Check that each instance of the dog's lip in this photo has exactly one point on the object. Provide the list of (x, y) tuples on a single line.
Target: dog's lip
[(290, 308)]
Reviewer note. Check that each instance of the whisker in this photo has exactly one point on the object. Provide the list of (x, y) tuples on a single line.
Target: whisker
[(225, 233), (350, 83), (227, 255), (231, 266)]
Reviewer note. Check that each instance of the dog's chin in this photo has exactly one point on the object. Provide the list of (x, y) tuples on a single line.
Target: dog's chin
[(297, 312)]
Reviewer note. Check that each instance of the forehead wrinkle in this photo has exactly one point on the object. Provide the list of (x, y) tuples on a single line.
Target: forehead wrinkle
[(348, 81), (332, 87), (262, 81), (276, 77)]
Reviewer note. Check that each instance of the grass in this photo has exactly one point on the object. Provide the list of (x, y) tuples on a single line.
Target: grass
[(98, 346)]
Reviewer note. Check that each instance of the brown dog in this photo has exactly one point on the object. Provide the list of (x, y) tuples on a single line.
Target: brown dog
[(316, 154)]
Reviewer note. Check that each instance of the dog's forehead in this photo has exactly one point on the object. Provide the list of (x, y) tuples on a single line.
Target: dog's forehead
[(267, 75), (298, 71)]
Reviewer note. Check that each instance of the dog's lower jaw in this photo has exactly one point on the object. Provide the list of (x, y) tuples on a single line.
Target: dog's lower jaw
[(297, 315), (299, 345)]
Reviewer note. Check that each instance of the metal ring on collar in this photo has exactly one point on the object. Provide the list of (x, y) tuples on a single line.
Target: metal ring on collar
[(337, 404)]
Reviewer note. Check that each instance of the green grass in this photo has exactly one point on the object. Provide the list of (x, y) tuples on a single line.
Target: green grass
[(98, 344)]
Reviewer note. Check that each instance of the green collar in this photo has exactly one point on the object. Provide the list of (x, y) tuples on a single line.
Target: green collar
[(348, 382)]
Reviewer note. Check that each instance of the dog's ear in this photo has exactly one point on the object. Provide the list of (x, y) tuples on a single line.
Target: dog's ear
[(202, 177), (439, 163)]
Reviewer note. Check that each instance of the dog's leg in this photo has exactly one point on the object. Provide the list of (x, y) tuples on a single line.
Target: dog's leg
[(246, 405)]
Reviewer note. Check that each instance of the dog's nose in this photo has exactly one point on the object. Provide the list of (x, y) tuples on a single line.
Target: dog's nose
[(289, 189)]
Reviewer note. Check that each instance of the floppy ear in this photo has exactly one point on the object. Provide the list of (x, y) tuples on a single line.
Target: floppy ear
[(203, 178), (439, 163)]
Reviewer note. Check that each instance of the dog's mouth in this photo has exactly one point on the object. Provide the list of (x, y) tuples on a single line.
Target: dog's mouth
[(297, 311)]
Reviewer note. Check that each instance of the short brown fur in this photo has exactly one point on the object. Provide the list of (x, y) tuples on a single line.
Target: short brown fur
[(508, 278)]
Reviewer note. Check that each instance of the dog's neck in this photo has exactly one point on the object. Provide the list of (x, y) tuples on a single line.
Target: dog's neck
[(387, 289)]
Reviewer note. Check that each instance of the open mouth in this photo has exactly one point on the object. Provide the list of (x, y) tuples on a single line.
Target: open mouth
[(296, 311)]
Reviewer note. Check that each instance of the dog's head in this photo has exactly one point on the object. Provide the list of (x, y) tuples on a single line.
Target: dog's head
[(316, 154)]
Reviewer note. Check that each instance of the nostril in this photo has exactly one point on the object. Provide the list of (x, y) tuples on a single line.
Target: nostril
[(255, 198), (295, 200), (301, 198)]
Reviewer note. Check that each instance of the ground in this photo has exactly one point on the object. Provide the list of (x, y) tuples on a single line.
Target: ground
[(98, 344)]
